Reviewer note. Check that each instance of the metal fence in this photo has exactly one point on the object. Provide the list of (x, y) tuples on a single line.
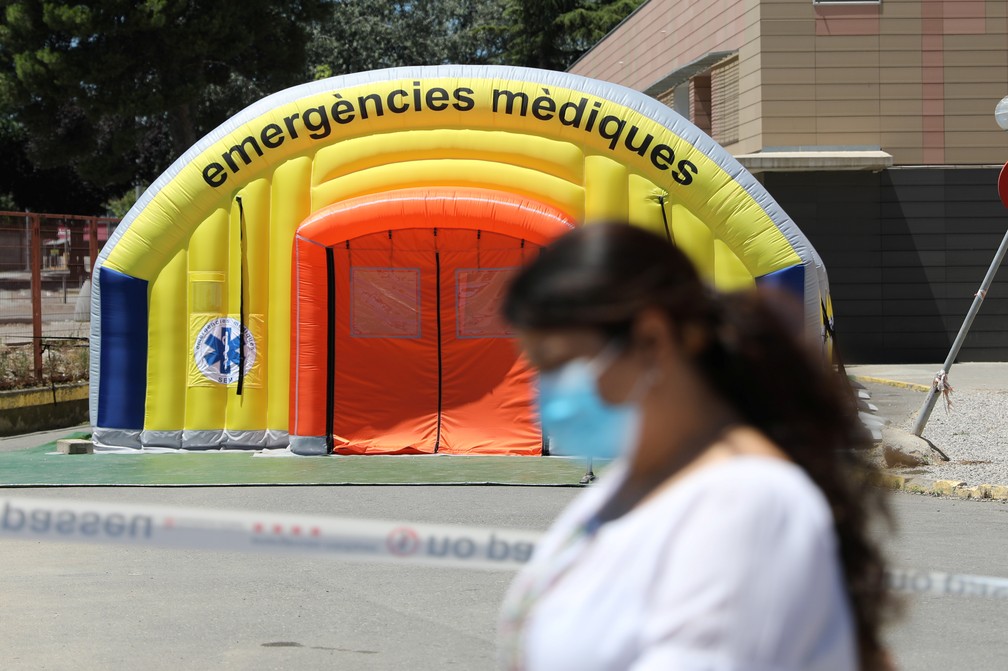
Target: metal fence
[(45, 291)]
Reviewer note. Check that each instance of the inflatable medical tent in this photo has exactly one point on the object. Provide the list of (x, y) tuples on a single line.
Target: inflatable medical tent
[(325, 268)]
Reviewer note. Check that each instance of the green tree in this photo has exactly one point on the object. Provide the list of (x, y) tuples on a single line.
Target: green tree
[(369, 34), (98, 96), (552, 34), (361, 35), (118, 88), (26, 186), (119, 206)]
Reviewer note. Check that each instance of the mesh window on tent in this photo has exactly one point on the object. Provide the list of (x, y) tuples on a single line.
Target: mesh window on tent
[(385, 302), (479, 294)]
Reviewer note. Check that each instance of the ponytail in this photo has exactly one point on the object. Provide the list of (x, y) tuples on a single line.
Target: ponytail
[(783, 388)]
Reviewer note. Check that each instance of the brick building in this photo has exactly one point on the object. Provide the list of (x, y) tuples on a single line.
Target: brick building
[(872, 124)]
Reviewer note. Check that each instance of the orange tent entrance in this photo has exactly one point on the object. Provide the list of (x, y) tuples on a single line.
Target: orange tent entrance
[(396, 342)]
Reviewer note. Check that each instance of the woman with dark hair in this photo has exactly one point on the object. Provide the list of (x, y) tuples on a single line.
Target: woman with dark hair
[(728, 535)]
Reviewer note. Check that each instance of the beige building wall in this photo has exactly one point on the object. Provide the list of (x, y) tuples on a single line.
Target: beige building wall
[(665, 35), (918, 78)]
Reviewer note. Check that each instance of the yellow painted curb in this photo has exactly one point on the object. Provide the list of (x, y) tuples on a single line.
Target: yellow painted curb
[(23, 398), (896, 482), (947, 487), (913, 386), (950, 488)]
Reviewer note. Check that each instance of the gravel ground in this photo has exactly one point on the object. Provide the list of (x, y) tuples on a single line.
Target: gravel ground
[(973, 432), (974, 435)]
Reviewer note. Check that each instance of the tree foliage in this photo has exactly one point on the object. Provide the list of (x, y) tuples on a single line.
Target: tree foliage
[(105, 94), (24, 185), (115, 87), (552, 34), (120, 205), (371, 34)]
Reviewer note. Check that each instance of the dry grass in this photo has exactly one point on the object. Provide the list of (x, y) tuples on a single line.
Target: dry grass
[(62, 362)]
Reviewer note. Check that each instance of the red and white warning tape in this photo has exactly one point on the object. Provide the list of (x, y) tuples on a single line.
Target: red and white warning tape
[(946, 584), (192, 528), (342, 538)]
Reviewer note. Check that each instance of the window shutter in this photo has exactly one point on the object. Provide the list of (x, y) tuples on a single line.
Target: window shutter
[(724, 101)]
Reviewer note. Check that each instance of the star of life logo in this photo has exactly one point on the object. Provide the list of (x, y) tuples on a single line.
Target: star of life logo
[(216, 350)]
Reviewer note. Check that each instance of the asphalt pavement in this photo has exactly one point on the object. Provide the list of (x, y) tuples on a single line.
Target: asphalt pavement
[(100, 607), (941, 632), (103, 607), (28, 440), (969, 376), (85, 607), (899, 390)]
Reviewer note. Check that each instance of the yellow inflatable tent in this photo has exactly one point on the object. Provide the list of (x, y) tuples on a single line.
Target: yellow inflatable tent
[(207, 333)]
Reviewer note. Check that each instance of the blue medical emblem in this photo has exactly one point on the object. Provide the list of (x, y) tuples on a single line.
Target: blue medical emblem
[(217, 351)]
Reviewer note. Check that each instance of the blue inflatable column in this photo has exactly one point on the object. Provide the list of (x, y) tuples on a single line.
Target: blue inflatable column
[(122, 387)]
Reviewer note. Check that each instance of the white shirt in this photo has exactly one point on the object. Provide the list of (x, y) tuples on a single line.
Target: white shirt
[(734, 568)]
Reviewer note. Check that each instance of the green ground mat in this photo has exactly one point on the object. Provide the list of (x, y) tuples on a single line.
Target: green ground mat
[(38, 467)]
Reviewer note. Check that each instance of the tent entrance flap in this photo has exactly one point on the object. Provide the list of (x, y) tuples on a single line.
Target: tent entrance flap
[(405, 342)]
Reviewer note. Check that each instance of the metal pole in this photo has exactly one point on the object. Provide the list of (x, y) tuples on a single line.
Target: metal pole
[(27, 242), (932, 395), (36, 293), (92, 244)]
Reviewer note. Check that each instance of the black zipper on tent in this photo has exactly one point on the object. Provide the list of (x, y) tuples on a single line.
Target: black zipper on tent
[(664, 217), (330, 400), (440, 363), (241, 298)]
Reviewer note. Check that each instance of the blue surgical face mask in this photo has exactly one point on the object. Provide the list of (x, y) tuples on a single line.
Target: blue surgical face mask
[(577, 420)]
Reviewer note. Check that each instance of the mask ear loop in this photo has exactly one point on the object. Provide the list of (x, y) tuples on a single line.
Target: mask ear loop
[(601, 362), (643, 385)]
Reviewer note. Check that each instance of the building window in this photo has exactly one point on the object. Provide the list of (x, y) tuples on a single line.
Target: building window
[(680, 99), (700, 102), (667, 98), (724, 96)]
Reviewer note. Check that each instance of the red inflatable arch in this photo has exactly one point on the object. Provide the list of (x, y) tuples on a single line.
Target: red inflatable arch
[(396, 344)]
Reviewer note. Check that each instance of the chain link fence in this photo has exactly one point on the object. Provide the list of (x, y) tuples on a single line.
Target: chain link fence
[(45, 294)]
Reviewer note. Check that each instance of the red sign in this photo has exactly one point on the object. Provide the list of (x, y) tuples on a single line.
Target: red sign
[(1003, 185)]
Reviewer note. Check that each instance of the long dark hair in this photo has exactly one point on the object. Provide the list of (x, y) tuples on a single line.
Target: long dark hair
[(601, 275)]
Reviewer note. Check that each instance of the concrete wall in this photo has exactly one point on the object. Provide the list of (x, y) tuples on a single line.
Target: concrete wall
[(906, 250), (40, 409)]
